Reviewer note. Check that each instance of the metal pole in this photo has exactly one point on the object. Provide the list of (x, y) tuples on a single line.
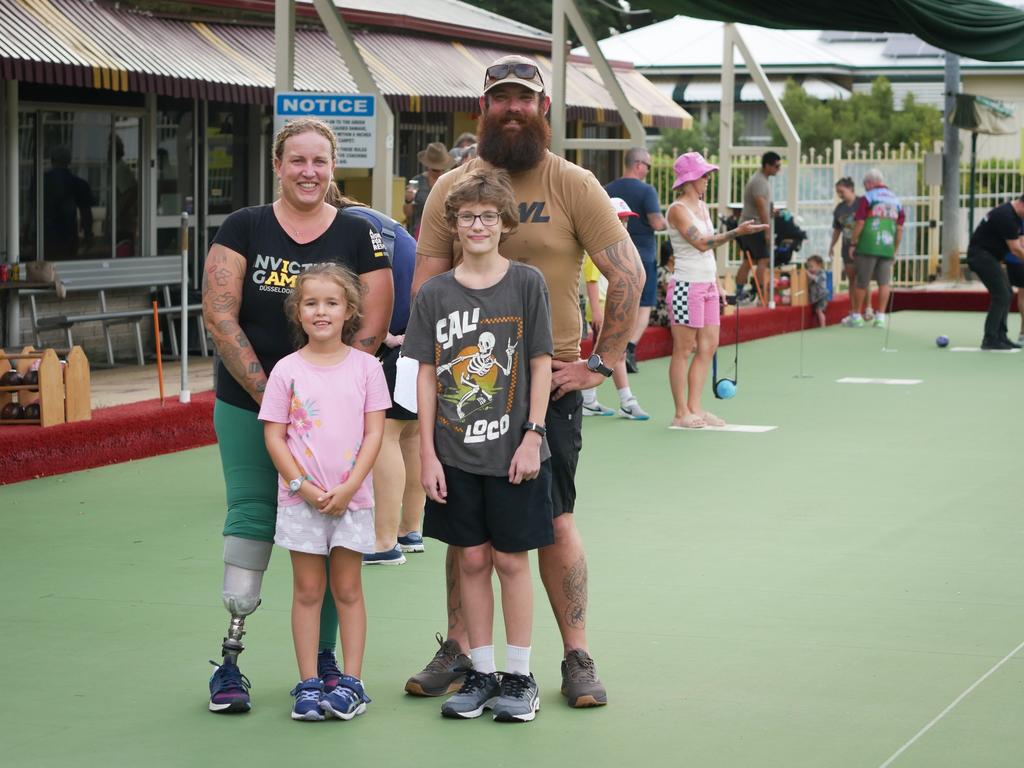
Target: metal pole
[(13, 319), (974, 165), (185, 396), (951, 175), (557, 87)]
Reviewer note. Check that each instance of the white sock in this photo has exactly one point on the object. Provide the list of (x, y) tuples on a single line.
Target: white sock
[(589, 396), (483, 659), (625, 395), (879, 315), (518, 659)]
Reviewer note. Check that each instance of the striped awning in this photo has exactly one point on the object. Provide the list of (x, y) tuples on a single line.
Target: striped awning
[(87, 44)]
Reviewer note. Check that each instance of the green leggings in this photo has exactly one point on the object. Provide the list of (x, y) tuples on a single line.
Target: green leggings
[(251, 482)]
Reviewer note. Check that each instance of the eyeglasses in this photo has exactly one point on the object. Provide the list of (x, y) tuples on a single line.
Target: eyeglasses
[(649, 166), (487, 218), (522, 71)]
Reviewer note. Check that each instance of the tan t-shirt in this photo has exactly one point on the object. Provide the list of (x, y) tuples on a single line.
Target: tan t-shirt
[(563, 211)]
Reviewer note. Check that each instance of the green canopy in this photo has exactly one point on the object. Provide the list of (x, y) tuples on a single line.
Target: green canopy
[(978, 29)]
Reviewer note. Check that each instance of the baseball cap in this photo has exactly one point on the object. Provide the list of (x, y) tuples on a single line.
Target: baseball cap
[(621, 208), (514, 69)]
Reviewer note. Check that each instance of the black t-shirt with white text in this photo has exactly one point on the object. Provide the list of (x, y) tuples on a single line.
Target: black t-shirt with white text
[(999, 225), (272, 262)]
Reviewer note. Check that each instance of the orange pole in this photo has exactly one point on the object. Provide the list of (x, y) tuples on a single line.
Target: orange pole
[(159, 357)]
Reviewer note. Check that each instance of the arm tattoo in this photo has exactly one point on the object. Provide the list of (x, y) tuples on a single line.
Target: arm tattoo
[(574, 585), (224, 273), (370, 342), (621, 265)]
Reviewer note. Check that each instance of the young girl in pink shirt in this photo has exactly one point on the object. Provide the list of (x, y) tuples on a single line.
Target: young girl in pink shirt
[(323, 416)]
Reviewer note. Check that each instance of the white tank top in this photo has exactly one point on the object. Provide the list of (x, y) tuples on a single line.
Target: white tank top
[(692, 265)]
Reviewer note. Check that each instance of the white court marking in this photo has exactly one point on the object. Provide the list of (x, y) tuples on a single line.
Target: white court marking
[(859, 380), (979, 349), (952, 706), (729, 428)]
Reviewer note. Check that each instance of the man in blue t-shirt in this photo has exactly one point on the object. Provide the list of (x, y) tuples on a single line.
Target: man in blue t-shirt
[(642, 199)]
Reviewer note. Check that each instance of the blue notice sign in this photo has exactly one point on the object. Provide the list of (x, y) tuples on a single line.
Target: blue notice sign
[(352, 117)]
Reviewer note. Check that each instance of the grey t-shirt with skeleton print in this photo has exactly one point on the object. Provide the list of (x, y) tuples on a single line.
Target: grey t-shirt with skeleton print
[(480, 342)]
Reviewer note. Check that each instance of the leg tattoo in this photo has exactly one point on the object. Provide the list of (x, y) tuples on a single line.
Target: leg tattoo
[(575, 587), (451, 572)]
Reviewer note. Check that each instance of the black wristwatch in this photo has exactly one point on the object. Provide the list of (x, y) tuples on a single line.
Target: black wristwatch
[(530, 426), (595, 363)]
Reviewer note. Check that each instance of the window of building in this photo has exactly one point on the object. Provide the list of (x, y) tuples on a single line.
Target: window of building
[(80, 184)]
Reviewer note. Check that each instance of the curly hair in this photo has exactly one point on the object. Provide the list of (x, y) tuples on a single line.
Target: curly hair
[(493, 187), (304, 125), (351, 289)]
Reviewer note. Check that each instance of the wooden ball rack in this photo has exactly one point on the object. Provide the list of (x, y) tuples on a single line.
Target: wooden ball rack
[(62, 390)]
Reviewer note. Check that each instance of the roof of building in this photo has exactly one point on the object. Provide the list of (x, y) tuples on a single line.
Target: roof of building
[(687, 45), (87, 44)]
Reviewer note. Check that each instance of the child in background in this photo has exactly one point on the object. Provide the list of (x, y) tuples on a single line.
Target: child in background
[(323, 417), (817, 287), (482, 335), (597, 287)]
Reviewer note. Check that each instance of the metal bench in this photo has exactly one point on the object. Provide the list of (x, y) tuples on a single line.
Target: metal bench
[(100, 275)]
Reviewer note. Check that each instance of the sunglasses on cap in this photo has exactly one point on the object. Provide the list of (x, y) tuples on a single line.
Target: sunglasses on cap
[(521, 70)]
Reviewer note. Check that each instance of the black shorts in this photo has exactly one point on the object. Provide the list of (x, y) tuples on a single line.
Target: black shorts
[(484, 508), (389, 360), (1016, 274), (756, 245), (564, 422)]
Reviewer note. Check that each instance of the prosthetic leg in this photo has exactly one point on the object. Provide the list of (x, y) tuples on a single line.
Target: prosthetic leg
[(245, 562)]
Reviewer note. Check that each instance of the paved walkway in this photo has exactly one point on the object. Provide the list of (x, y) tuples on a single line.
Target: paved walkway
[(134, 383)]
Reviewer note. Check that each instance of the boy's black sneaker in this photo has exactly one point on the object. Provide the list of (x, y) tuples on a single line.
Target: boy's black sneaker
[(997, 345), (580, 683), (479, 691), (519, 699), (444, 672)]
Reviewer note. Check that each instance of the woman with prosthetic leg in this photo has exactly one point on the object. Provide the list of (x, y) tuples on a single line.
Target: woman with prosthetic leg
[(250, 270)]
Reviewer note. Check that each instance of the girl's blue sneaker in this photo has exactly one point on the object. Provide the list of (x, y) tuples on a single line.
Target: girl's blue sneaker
[(308, 695), (347, 700)]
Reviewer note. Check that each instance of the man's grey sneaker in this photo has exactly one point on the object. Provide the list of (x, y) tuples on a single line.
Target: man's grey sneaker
[(631, 410), (443, 674), (307, 695), (479, 691), (596, 409), (411, 542), (519, 699), (347, 700), (580, 683)]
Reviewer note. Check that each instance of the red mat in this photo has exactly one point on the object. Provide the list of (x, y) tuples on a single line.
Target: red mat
[(113, 435)]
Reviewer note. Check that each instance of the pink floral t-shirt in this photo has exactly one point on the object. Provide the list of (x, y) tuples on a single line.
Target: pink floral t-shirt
[(324, 409)]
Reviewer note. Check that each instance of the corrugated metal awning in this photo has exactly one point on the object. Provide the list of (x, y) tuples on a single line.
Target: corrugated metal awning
[(92, 45)]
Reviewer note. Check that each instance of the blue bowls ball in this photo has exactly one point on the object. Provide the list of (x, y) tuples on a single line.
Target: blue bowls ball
[(942, 341), (725, 389)]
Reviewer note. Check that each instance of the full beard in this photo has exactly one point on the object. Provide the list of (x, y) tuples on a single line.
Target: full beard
[(515, 151)]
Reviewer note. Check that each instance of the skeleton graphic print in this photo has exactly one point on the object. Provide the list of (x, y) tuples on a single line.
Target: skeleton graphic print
[(479, 344)]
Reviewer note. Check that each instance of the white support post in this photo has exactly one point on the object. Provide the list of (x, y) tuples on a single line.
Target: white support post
[(733, 39), (13, 319), (559, 62), (838, 265), (560, 10), (725, 118), (150, 179), (284, 45), (350, 55)]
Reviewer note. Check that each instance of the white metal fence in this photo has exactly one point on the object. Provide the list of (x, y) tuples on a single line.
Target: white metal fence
[(918, 260)]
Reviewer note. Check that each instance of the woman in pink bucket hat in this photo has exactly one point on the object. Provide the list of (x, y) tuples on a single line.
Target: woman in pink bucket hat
[(694, 299)]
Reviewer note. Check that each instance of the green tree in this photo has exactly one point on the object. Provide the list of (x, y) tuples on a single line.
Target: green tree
[(863, 118), (699, 137)]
